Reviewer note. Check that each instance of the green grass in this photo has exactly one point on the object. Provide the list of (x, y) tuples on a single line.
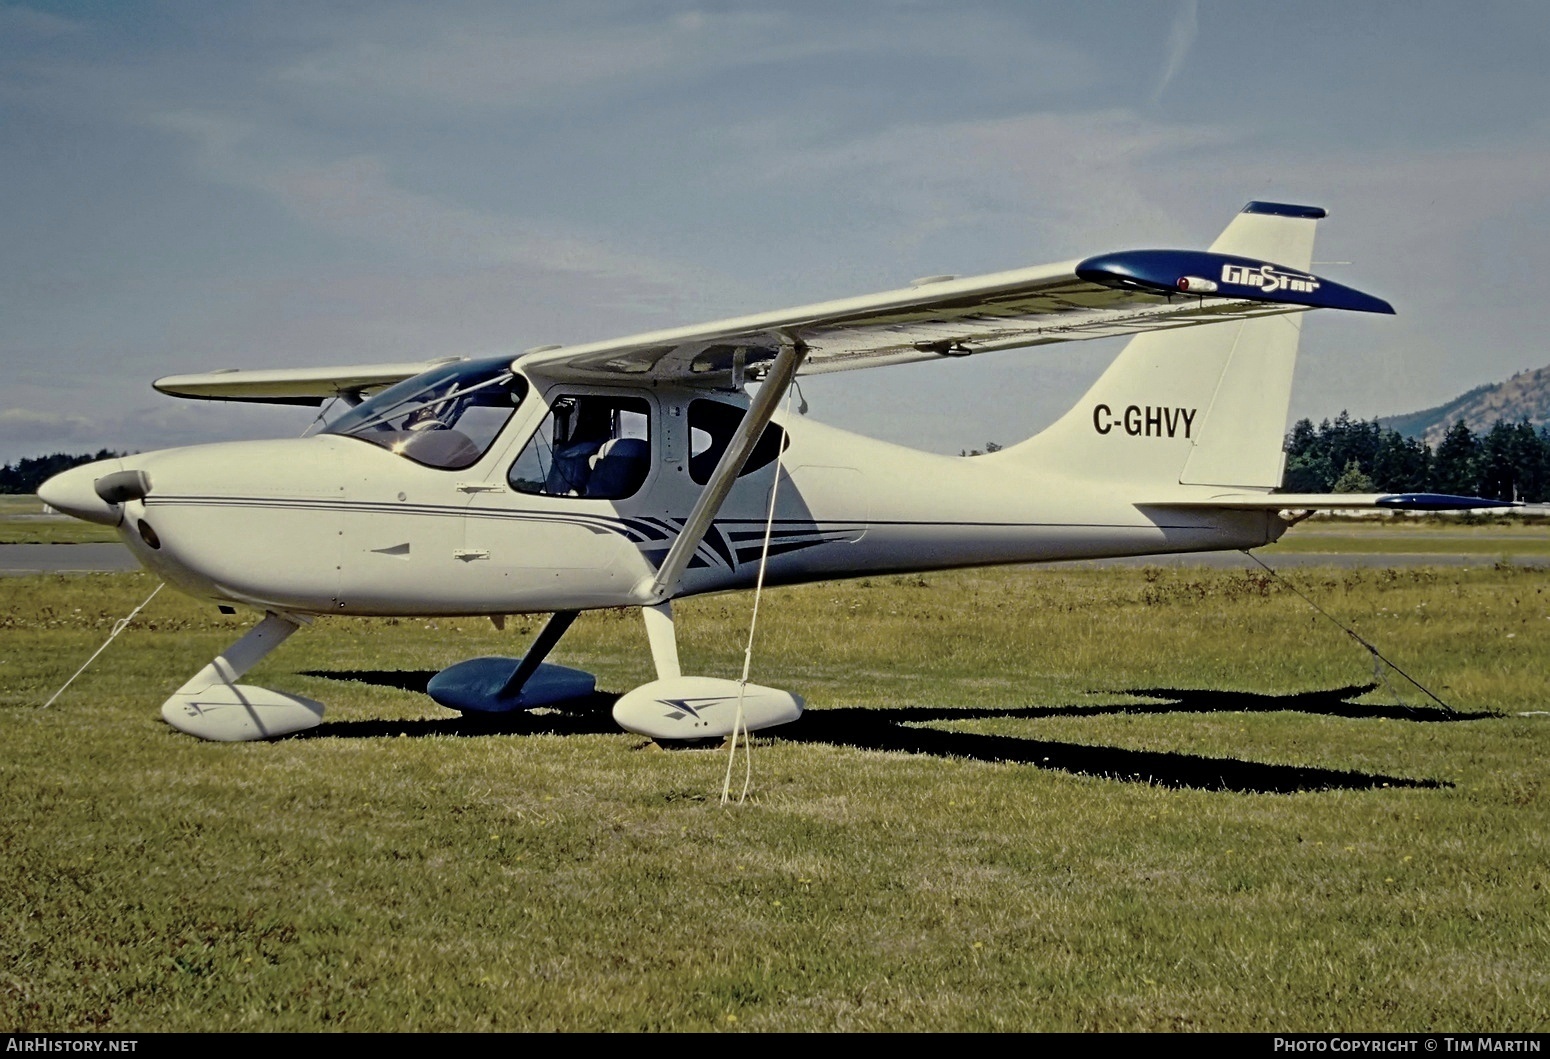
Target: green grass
[(1504, 547), (1020, 799), (22, 522), (1501, 536)]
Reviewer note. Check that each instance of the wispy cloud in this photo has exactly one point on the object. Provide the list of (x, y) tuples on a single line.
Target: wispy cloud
[(355, 196), (508, 58), (27, 432), (18, 21), (30, 424), (1066, 182), (1181, 37), (245, 184), (444, 277)]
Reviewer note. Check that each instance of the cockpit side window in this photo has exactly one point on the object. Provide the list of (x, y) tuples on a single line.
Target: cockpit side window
[(590, 445), (711, 426), (446, 417)]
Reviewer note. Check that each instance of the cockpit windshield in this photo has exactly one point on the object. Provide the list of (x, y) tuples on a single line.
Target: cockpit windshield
[(446, 417)]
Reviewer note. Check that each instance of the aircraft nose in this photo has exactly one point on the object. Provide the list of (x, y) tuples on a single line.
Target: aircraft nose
[(74, 492)]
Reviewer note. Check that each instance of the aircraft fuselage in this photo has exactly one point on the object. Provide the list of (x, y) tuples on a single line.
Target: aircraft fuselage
[(333, 524)]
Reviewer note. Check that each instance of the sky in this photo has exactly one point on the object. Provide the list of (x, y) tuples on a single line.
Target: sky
[(193, 186)]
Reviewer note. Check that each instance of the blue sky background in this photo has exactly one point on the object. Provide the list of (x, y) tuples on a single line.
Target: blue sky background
[(188, 186)]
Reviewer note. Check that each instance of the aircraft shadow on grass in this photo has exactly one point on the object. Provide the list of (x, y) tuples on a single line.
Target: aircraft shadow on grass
[(898, 729)]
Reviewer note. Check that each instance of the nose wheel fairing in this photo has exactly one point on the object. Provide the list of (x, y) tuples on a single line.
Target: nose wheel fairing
[(240, 713), (212, 705)]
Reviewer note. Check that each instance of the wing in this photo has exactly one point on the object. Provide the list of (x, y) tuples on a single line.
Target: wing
[(1113, 294), (942, 316), (304, 386)]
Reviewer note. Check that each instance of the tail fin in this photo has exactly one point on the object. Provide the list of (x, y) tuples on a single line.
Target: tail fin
[(1199, 405)]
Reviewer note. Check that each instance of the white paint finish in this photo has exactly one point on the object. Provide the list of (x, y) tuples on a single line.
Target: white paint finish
[(663, 639), (331, 536), (834, 488), (1269, 237), (72, 493), (212, 705), (1240, 436), (703, 708), (229, 666), (234, 713), (253, 522)]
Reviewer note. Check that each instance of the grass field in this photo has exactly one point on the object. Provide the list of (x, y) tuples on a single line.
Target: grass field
[(1020, 799), (1484, 535), (22, 522)]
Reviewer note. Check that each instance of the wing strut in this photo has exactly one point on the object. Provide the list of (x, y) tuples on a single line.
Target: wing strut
[(721, 479)]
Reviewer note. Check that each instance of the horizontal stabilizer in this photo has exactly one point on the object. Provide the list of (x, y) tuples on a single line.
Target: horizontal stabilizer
[(1337, 501)]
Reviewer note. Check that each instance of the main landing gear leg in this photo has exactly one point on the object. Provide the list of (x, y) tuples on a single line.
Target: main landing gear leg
[(664, 643), (500, 685), (212, 705)]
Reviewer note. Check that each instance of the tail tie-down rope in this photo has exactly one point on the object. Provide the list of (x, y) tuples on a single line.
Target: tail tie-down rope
[(1379, 660)]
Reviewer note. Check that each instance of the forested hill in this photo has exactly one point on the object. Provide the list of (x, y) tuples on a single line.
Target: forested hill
[(1524, 396)]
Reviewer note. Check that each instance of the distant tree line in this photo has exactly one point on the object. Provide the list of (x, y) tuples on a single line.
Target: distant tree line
[(25, 475), (1511, 461)]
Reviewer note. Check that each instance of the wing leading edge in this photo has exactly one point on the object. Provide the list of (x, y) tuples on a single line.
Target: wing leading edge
[(1099, 297)]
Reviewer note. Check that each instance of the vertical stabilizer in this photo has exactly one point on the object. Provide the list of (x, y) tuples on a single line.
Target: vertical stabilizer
[(1200, 405)]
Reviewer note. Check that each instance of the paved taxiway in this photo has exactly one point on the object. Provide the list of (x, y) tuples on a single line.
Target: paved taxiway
[(65, 558)]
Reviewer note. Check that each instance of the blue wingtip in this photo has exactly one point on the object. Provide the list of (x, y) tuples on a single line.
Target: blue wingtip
[(1173, 272)]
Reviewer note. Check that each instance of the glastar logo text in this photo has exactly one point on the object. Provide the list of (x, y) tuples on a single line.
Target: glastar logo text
[(1269, 278)]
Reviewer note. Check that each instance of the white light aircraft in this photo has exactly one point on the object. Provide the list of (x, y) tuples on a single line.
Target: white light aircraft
[(633, 472)]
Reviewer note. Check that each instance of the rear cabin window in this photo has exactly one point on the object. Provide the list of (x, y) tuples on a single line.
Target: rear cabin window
[(711, 425)]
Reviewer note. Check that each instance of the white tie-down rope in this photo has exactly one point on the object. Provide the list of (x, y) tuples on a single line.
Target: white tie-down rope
[(118, 627), (1379, 659), (753, 623)]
